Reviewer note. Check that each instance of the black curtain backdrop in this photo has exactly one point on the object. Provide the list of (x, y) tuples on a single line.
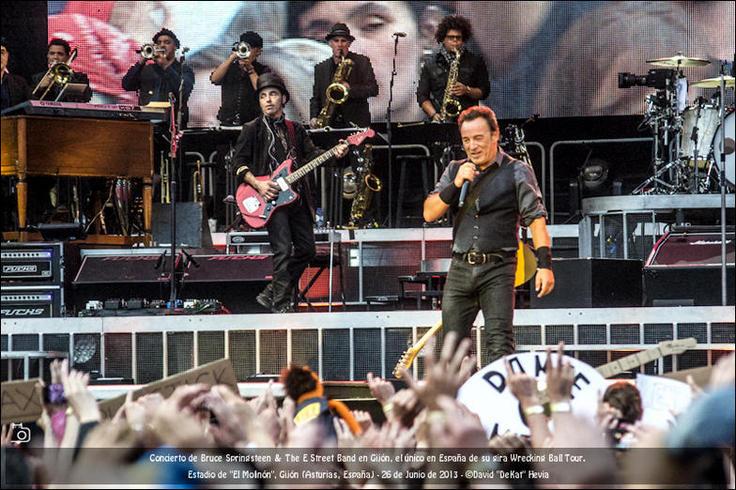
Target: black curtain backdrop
[(24, 27)]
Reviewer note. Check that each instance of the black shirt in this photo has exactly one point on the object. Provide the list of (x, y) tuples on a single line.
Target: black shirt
[(14, 90), (435, 70), (239, 100), (154, 84), (509, 196)]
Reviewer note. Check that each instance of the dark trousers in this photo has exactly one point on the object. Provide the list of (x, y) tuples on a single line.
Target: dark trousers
[(490, 287), (290, 225)]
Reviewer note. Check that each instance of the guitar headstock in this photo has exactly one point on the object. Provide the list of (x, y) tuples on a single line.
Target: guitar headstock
[(406, 360), (679, 346), (358, 138)]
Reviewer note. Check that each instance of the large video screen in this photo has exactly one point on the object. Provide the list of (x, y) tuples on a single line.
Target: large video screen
[(556, 59)]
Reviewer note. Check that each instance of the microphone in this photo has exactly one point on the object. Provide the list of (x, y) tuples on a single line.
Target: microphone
[(400, 34), (463, 193)]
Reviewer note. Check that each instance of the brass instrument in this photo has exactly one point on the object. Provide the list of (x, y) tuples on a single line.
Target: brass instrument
[(242, 49), (450, 104), (149, 51), (165, 185), (336, 93), (58, 74), (367, 185), (197, 183)]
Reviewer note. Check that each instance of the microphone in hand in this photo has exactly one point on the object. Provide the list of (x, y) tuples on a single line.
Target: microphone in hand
[(463, 193), (400, 34)]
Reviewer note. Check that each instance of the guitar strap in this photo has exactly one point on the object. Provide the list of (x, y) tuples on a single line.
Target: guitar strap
[(291, 130)]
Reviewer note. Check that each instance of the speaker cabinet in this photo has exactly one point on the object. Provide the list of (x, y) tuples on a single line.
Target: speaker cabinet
[(593, 283)]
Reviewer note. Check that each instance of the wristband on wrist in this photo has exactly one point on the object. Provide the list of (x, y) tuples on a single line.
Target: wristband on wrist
[(388, 407), (534, 410), (544, 258), (560, 407), (450, 194)]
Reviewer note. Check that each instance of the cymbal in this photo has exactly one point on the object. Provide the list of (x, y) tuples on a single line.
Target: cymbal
[(678, 61), (713, 82)]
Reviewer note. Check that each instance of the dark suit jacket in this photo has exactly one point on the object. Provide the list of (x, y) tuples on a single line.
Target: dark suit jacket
[(17, 90), (77, 77), (154, 84), (362, 83)]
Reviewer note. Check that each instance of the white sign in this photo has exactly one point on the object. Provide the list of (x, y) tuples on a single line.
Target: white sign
[(487, 393), (662, 399)]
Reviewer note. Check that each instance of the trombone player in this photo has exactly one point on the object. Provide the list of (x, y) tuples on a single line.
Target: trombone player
[(352, 107), (59, 53), (238, 77), (158, 73)]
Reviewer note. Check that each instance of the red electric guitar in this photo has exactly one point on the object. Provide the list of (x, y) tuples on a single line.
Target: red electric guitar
[(257, 211)]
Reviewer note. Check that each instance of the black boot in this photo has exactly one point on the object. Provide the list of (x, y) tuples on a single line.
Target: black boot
[(265, 297)]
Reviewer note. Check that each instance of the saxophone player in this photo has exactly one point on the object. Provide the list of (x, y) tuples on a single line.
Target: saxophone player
[(443, 101), (359, 85)]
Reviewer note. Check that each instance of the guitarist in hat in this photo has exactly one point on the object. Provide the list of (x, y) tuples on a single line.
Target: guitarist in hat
[(263, 144)]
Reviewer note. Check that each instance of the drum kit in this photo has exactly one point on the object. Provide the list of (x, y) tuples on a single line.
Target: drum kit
[(687, 138)]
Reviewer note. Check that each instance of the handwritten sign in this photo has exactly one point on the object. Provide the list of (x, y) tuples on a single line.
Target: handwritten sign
[(20, 402), (662, 399), (215, 373), (487, 394)]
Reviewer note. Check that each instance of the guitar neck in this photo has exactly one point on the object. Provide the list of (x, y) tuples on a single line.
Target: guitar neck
[(630, 362), (298, 174)]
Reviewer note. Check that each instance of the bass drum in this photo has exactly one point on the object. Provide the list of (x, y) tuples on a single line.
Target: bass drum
[(730, 171), (706, 119)]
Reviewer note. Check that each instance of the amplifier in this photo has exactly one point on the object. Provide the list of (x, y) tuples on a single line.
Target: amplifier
[(131, 267), (32, 301), (229, 268), (32, 263)]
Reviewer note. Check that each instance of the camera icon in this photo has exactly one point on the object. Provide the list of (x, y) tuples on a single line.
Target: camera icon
[(21, 434)]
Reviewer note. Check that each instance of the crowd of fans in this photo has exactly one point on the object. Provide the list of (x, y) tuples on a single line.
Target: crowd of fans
[(150, 439)]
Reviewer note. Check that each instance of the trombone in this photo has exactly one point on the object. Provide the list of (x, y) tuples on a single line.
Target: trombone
[(57, 74)]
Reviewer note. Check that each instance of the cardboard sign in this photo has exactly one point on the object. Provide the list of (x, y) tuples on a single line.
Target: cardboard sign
[(20, 401), (487, 394), (215, 373)]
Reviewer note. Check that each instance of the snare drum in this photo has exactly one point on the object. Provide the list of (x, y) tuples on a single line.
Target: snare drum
[(730, 171), (707, 123)]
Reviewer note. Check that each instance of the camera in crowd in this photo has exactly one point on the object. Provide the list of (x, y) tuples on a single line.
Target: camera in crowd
[(656, 78)]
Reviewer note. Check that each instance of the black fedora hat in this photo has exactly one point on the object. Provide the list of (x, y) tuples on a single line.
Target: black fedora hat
[(272, 80), (341, 30)]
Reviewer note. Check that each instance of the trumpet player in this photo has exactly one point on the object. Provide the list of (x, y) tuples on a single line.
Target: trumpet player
[(358, 86), (158, 73), (59, 51), (472, 83), (238, 77)]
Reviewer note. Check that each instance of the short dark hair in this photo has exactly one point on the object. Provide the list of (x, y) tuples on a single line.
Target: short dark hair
[(475, 112), (60, 42), (626, 398), (166, 32), (456, 22), (252, 38)]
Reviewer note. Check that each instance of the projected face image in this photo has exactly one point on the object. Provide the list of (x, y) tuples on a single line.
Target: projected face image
[(372, 24)]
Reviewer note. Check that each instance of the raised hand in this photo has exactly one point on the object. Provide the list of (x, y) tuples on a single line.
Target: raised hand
[(560, 376), (381, 389), (444, 376)]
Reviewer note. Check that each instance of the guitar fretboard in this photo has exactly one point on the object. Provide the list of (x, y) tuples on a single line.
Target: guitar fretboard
[(311, 166)]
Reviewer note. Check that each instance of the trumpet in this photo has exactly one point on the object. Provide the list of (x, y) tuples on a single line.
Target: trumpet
[(149, 51), (57, 74), (242, 49)]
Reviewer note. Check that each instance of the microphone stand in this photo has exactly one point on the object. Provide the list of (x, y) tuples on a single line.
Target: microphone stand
[(389, 136), (174, 154)]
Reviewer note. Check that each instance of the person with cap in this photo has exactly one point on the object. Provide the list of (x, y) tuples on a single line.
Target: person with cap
[(154, 81), (264, 143), (13, 88), (238, 78), (59, 51), (361, 82)]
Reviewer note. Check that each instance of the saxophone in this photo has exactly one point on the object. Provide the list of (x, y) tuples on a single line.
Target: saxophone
[(450, 104), (336, 92), (367, 185)]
